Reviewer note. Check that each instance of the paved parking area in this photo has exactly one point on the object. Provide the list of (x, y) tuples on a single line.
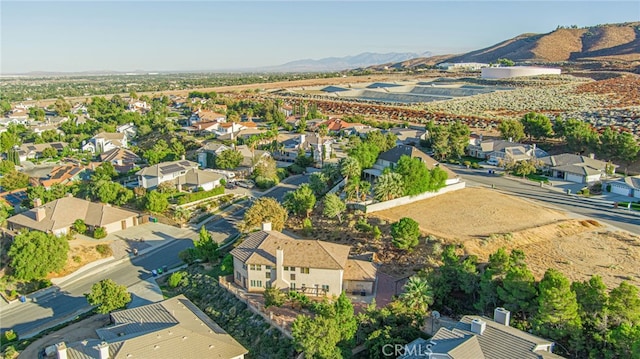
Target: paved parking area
[(145, 236)]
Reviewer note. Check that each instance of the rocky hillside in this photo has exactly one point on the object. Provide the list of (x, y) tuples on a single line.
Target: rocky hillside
[(611, 42)]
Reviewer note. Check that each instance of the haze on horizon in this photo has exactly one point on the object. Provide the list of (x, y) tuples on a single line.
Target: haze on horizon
[(221, 35)]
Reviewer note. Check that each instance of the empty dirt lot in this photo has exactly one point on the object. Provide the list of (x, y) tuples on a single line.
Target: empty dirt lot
[(484, 221)]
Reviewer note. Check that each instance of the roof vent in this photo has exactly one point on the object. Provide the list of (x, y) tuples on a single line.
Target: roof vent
[(211, 346), (156, 347), (184, 337), (478, 326)]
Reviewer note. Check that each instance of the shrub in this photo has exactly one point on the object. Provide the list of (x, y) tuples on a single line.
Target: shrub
[(377, 233), (608, 188), (99, 233), (9, 336), (467, 163), (296, 169), (282, 173), (77, 259), (104, 249), (273, 297), (475, 165), (10, 352), (226, 267), (189, 255), (175, 279), (363, 226), (264, 182), (307, 226), (191, 197)]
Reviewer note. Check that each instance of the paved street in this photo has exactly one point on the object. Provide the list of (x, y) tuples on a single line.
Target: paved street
[(67, 302), (599, 209)]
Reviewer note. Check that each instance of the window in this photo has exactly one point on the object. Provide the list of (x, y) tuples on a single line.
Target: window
[(267, 275), (304, 270), (238, 276), (286, 268), (256, 267), (256, 283), (292, 286), (267, 267), (244, 266), (293, 269), (293, 276), (325, 287)]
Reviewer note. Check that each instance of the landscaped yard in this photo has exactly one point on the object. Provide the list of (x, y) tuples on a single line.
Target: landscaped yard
[(634, 205), (538, 178)]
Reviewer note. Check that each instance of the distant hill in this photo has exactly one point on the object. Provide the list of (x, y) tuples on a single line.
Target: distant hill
[(619, 42), (343, 63)]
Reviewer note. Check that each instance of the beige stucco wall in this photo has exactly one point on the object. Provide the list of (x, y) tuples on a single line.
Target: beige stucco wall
[(330, 277), (358, 286), (117, 226)]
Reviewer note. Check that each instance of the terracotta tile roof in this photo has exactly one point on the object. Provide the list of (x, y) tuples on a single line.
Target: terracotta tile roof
[(61, 174), (260, 248)]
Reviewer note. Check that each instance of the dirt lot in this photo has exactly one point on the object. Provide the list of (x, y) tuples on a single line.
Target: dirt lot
[(550, 238), (81, 251), (85, 329)]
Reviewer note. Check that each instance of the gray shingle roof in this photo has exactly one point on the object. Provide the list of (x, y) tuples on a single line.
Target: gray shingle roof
[(393, 155), (173, 328)]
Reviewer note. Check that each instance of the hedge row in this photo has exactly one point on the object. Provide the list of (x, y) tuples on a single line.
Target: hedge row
[(195, 196)]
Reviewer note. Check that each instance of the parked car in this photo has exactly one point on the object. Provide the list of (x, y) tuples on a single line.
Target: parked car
[(246, 184), (231, 185)]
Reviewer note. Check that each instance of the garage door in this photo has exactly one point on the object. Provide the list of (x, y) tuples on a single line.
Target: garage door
[(617, 189), (574, 178)]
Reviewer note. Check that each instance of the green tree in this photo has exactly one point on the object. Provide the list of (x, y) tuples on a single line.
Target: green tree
[(62, 107), (439, 136), (13, 156), (536, 125), (105, 172), (366, 153), (458, 138), (35, 254), (511, 129), (99, 232), (518, 291), (350, 168), (592, 300), (156, 202), (608, 144), (557, 317), (79, 226), (301, 201), (334, 206), (108, 296), (624, 305), (522, 168), (14, 180), (405, 233), (37, 113), (273, 297), (506, 62), (206, 247), (263, 210), (492, 277), (579, 135), (228, 159), (388, 186), (627, 149), (415, 175), (7, 166), (5, 107), (8, 140), (417, 295), (318, 338), (318, 182)]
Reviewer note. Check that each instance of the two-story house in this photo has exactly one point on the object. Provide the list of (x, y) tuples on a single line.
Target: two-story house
[(391, 157), (129, 129), (183, 174), (312, 144), (502, 150), (105, 141), (34, 150), (272, 259), (122, 160)]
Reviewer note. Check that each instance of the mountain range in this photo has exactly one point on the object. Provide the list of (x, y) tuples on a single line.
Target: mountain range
[(604, 43), (364, 59)]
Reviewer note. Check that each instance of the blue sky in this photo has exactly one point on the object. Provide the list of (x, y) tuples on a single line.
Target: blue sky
[(219, 35)]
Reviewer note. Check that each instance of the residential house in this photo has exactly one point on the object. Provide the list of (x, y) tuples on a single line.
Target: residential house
[(287, 109), (61, 175), (172, 328), (476, 337), (250, 158), (336, 125), (79, 109), (105, 141), (58, 216), (408, 136), (122, 160), (19, 116), (129, 129), (207, 116), (272, 259), (627, 186), (391, 157), (39, 129), (229, 128), (312, 144), (29, 151), (183, 174), (246, 130), (576, 168), (502, 151), (208, 152), (139, 106)]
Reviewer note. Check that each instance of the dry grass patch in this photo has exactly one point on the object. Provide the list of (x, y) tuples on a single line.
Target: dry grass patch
[(81, 252)]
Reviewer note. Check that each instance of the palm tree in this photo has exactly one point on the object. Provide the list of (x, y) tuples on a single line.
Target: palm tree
[(418, 295), (365, 189), (350, 167), (388, 186)]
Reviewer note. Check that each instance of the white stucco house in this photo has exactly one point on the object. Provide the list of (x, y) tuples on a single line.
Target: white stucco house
[(105, 141), (628, 186), (185, 175), (576, 168)]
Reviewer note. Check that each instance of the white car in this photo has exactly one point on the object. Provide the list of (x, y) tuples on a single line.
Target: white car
[(493, 162)]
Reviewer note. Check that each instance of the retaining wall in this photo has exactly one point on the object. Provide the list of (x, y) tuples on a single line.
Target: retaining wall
[(381, 206)]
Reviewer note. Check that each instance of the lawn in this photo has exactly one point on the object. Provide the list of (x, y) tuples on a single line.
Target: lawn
[(538, 178), (634, 205)]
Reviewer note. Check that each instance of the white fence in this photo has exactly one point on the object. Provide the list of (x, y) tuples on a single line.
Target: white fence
[(381, 206)]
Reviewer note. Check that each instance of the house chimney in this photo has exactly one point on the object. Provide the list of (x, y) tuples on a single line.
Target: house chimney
[(37, 202), (40, 214), (502, 316), (592, 156), (280, 282), (103, 348), (266, 226), (510, 139), (61, 350), (478, 326), (182, 157)]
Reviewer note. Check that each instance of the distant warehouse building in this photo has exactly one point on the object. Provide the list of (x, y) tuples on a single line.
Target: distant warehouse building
[(517, 71)]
